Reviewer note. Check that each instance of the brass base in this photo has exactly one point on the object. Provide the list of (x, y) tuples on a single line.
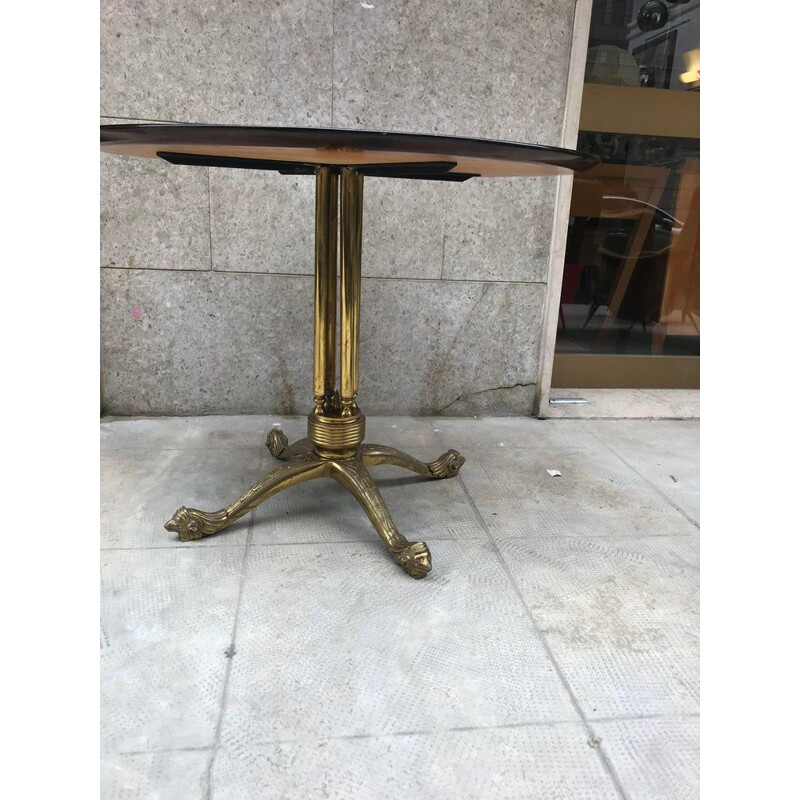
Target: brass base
[(348, 466), (336, 436), (336, 426)]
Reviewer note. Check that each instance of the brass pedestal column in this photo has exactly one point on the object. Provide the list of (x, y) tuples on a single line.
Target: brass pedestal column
[(334, 447)]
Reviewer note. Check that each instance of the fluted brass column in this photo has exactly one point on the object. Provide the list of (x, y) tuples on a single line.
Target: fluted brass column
[(325, 288), (352, 193)]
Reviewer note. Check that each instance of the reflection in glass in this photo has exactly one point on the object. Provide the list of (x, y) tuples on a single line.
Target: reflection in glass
[(631, 282)]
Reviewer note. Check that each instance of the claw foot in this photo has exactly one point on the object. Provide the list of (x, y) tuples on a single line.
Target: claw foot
[(447, 465), (415, 559), (276, 442), (190, 524)]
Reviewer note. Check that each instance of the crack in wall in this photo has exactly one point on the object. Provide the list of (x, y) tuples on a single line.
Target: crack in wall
[(484, 391)]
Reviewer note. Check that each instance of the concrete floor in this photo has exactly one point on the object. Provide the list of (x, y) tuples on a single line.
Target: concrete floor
[(551, 653)]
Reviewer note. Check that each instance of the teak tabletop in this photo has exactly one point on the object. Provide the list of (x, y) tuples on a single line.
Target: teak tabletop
[(215, 145)]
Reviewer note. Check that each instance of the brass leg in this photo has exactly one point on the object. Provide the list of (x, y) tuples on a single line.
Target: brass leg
[(446, 466), (325, 237), (190, 523), (413, 557), (351, 204), (279, 446)]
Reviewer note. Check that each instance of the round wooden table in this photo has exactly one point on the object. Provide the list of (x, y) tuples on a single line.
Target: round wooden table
[(340, 159)]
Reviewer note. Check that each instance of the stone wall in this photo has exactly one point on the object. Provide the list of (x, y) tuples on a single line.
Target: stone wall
[(206, 284)]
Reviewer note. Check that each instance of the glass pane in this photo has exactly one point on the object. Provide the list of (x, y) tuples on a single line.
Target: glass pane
[(631, 282)]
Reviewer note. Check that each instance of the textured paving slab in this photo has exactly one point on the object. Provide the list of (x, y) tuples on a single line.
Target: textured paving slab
[(596, 495), (166, 775), (335, 640), (665, 452), (551, 762), (167, 619), (621, 616), (350, 680), (247, 431), (415, 435), (323, 511), (655, 758), (142, 489), (475, 435)]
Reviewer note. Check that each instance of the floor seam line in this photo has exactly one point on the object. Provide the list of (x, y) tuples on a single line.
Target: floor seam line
[(205, 749), (285, 544), (172, 547), (635, 717), (604, 759), (655, 488), (432, 732), (231, 652)]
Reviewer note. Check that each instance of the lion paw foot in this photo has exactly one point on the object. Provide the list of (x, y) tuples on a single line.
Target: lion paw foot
[(415, 559), (447, 465), (277, 442), (191, 524)]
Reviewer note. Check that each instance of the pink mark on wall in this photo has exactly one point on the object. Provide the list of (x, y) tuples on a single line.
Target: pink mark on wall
[(137, 312)]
